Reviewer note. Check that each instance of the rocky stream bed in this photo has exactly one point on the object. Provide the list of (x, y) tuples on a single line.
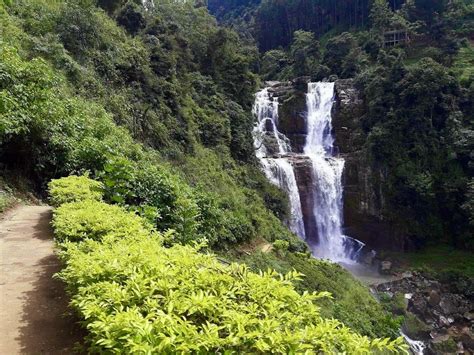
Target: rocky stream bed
[(439, 312)]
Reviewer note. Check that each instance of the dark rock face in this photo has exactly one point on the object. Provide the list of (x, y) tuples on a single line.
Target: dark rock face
[(303, 169), (364, 194), (346, 112), (292, 120), (444, 310)]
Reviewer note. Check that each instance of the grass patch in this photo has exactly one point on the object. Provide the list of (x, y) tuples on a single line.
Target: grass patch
[(6, 201), (463, 65), (437, 259)]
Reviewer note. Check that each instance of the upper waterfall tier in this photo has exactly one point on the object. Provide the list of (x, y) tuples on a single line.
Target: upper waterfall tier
[(268, 142), (319, 101)]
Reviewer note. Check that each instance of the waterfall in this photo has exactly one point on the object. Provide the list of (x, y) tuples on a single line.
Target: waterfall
[(319, 100), (273, 149), (327, 177), (269, 141), (266, 111)]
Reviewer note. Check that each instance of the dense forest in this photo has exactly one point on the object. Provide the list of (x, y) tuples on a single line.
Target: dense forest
[(134, 121)]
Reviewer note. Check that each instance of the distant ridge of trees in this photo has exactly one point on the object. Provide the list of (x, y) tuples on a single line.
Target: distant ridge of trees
[(277, 20)]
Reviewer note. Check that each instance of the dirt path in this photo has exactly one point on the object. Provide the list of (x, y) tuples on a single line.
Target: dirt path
[(32, 304)]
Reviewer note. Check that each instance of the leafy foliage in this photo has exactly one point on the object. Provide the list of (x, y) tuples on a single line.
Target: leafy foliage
[(415, 140), (58, 115), (7, 197), (243, 218), (276, 20), (343, 55), (55, 135), (90, 219), (74, 189), (302, 58), (137, 296)]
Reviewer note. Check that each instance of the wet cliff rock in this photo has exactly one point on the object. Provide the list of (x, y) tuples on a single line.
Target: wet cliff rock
[(303, 169), (365, 214), (292, 110)]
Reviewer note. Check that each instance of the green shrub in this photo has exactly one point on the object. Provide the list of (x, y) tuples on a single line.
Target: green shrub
[(117, 177), (146, 187), (398, 304), (235, 190), (136, 296), (445, 347), (93, 219), (6, 200), (44, 125), (7, 197), (74, 189), (352, 303), (281, 246)]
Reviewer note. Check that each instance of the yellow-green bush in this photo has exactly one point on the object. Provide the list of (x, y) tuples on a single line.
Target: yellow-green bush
[(94, 219), (74, 189), (352, 302), (138, 297)]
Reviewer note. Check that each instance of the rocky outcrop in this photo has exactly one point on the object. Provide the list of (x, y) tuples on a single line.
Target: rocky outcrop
[(346, 112), (292, 120), (291, 111), (444, 311)]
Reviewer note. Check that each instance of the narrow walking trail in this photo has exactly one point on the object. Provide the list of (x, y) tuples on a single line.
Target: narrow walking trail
[(32, 304)]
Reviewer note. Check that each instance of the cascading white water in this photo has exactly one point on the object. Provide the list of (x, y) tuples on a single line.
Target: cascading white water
[(319, 100), (266, 110), (277, 169), (327, 177), (280, 172), (148, 4), (417, 347)]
